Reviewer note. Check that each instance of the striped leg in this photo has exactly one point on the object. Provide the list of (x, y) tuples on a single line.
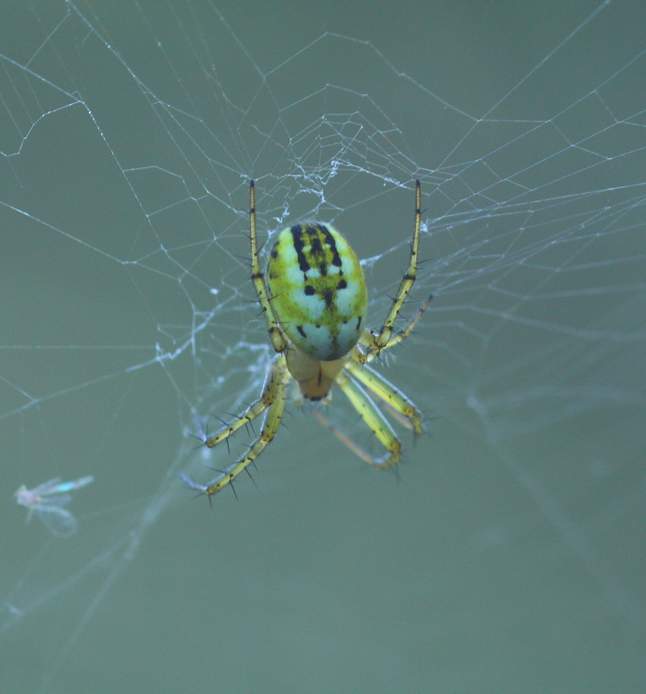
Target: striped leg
[(375, 342), (273, 398), (253, 411), (278, 340), (389, 393), (374, 420)]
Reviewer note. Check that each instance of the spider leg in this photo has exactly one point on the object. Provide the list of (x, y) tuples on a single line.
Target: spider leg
[(244, 420), (402, 334), (273, 397), (374, 419), (276, 335), (366, 354), (388, 392), (377, 341), (343, 438)]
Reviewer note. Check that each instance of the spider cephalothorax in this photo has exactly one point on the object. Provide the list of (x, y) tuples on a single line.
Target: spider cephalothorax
[(314, 299)]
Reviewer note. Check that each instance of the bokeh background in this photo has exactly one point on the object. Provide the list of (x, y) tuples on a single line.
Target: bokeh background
[(508, 553)]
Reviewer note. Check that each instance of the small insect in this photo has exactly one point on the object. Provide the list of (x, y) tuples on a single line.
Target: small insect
[(47, 502), (314, 299)]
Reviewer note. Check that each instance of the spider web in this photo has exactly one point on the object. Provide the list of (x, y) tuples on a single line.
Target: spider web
[(128, 136)]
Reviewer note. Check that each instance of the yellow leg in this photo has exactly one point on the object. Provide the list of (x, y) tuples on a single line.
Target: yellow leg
[(389, 393), (367, 354), (257, 408), (278, 340), (402, 334), (374, 420), (274, 398), (376, 342)]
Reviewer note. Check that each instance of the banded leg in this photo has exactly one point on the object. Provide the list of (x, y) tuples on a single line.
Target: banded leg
[(253, 411), (278, 340), (402, 334), (274, 398), (389, 393), (376, 342), (364, 355), (376, 422)]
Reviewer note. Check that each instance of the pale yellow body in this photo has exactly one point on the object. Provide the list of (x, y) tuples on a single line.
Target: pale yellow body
[(314, 377)]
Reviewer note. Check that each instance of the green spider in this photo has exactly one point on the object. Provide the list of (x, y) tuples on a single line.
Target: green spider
[(315, 304)]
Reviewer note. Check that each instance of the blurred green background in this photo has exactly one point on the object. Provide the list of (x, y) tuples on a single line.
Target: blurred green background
[(508, 554)]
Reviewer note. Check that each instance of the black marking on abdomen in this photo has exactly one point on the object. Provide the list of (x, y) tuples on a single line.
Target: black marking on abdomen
[(301, 331), (328, 297), (329, 239), (342, 284), (315, 243), (297, 239), (359, 322)]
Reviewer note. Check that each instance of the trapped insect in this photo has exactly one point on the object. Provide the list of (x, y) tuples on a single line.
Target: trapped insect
[(314, 300), (47, 502)]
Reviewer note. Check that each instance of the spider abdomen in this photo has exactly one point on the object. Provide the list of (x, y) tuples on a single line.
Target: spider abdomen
[(317, 290)]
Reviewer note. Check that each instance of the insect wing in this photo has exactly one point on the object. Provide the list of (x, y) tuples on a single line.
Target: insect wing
[(62, 487), (57, 501), (48, 487), (57, 520)]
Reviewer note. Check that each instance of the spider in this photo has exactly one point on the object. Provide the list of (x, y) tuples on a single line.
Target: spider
[(314, 303)]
